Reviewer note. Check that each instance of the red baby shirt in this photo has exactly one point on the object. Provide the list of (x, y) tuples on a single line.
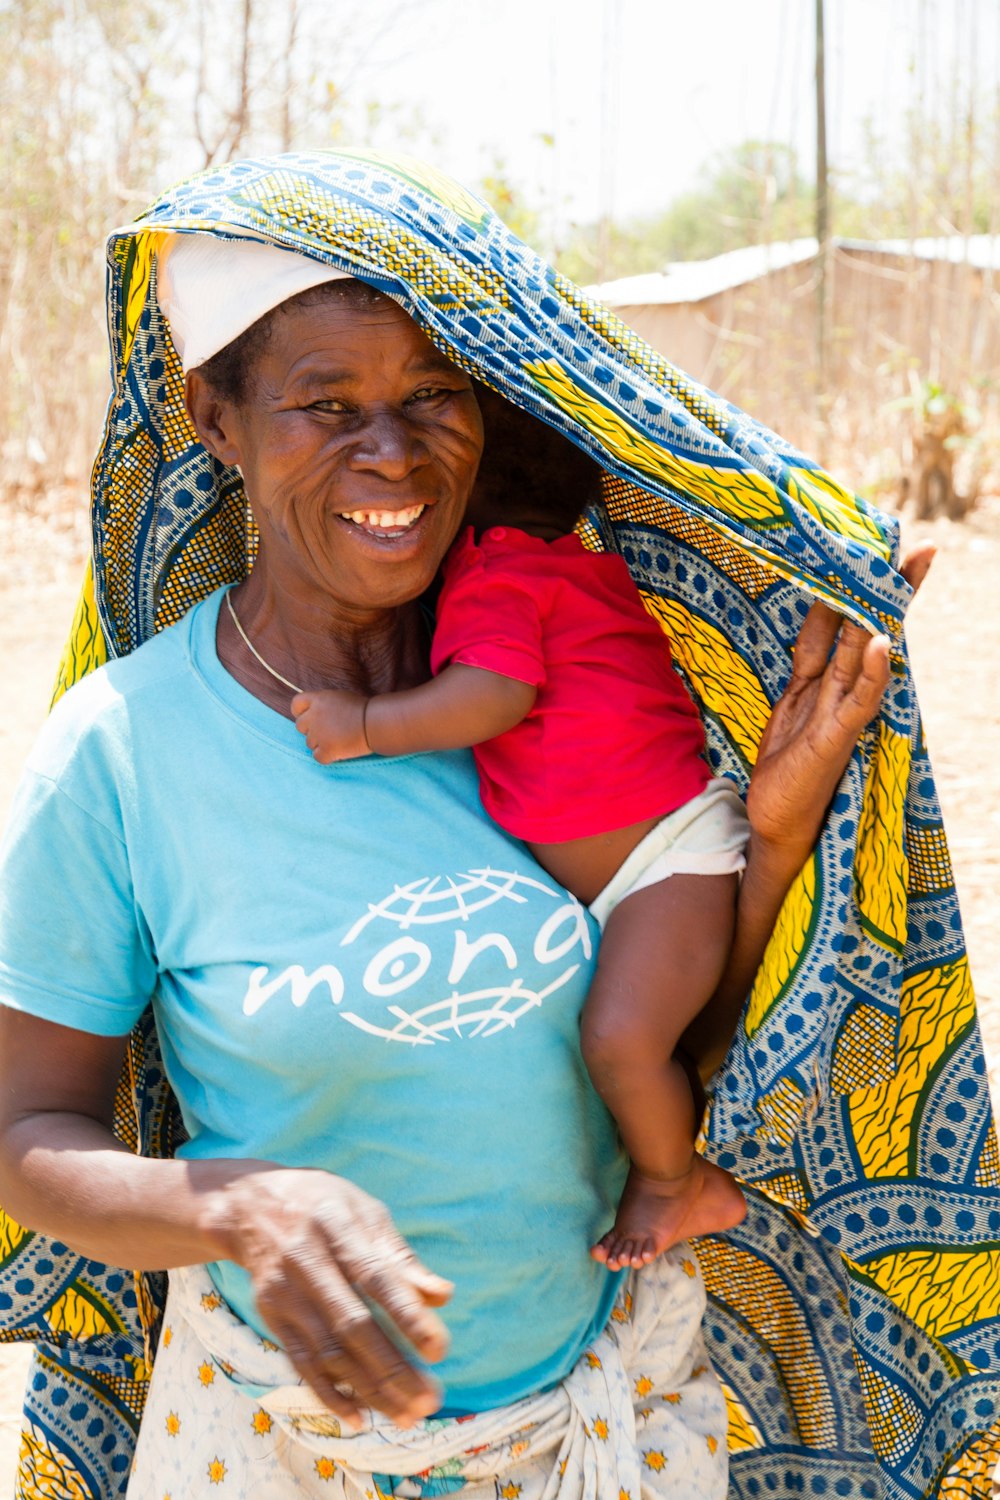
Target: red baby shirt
[(613, 737)]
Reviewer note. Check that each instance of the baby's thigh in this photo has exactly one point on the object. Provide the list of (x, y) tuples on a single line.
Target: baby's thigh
[(662, 954)]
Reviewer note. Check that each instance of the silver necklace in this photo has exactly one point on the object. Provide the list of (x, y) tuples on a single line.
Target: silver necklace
[(253, 649)]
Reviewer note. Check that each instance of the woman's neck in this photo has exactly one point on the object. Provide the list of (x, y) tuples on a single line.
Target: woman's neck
[(315, 642)]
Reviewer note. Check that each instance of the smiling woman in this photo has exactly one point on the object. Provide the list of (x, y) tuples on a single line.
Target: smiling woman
[(358, 443), (392, 1164)]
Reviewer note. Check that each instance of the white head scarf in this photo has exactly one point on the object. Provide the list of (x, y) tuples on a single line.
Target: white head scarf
[(211, 290)]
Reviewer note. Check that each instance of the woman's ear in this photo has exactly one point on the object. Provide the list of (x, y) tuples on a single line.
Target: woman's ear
[(214, 419)]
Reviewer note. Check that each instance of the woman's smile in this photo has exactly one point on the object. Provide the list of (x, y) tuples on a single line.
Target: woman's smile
[(392, 530), (386, 523)]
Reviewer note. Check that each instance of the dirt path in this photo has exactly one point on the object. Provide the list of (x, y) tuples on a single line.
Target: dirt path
[(954, 634)]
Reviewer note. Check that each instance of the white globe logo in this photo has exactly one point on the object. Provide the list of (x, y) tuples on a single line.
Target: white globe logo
[(452, 899)]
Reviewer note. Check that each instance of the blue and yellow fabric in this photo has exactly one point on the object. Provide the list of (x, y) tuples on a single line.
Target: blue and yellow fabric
[(855, 1316)]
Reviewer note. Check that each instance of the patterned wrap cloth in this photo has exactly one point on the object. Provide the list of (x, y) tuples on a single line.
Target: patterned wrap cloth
[(853, 1317)]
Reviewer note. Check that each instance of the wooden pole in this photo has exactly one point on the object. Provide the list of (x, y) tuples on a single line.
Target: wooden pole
[(822, 247)]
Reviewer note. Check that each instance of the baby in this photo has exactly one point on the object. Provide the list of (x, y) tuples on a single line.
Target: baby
[(590, 749)]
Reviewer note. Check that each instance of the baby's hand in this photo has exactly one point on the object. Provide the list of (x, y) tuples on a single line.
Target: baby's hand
[(333, 722)]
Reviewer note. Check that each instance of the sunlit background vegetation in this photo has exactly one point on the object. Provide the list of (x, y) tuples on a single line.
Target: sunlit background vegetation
[(104, 102)]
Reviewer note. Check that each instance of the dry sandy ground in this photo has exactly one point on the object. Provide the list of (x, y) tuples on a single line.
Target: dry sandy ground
[(955, 641)]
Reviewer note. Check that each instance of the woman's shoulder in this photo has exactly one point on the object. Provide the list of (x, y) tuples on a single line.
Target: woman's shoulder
[(95, 716)]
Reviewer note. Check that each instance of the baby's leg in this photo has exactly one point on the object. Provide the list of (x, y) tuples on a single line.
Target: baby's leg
[(661, 956)]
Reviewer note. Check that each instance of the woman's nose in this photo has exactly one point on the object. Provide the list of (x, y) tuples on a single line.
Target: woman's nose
[(389, 445)]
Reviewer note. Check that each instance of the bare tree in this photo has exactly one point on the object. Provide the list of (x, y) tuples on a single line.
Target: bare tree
[(231, 124)]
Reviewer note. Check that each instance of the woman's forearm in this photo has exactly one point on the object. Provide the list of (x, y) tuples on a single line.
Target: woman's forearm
[(839, 674), (320, 1252), (771, 869), (67, 1176)]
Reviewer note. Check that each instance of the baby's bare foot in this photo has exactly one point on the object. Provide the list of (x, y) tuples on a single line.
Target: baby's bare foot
[(654, 1214)]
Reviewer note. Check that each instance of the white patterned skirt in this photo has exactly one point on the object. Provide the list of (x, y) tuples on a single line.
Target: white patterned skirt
[(640, 1417)]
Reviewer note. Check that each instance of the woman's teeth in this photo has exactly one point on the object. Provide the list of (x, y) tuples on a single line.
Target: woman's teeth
[(385, 520)]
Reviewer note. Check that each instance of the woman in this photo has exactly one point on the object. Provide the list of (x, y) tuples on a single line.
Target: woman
[(357, 441)]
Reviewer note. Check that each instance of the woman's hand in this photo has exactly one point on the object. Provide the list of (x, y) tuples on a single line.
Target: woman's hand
[(322, 1253), (814, 726)]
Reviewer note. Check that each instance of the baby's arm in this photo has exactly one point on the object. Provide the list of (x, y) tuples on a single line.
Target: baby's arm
[(461, 706)]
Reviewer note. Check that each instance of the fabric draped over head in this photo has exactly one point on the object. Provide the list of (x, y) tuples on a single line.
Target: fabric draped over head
[(491, 304), (852, 1316)]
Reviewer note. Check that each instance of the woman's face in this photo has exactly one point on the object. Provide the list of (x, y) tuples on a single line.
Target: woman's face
[(359, 443)]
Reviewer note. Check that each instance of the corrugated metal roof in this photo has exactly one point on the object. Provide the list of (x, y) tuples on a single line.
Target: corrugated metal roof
[(694, 280), (979, 250)]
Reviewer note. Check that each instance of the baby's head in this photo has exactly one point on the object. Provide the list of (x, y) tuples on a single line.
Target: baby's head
[(530, 475)]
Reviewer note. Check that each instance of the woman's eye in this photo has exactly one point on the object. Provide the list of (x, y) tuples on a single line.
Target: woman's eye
[(430, 393)]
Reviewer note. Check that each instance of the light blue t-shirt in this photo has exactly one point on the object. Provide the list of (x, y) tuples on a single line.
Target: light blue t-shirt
[(351, 968)]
